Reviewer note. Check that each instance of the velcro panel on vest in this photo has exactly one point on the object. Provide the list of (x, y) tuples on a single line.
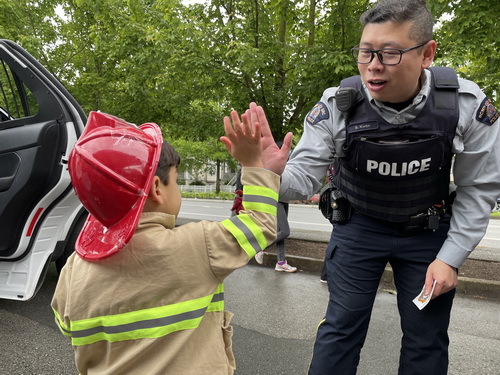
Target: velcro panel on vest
[(378, 198), (446, 83)]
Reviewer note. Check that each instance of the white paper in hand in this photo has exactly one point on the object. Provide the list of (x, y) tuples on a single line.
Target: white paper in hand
[(422, 300)]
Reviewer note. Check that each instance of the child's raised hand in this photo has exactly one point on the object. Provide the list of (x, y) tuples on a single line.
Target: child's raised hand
[(243, 139)]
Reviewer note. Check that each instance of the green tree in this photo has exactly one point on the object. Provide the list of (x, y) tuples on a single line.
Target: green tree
[(281, 54), (467, 37), (201, 157), (33, 24), (186, 66)]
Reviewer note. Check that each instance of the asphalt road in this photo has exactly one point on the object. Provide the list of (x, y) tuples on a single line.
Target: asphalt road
[(305, 221), (306, 217), (274, 326), (30, 342)]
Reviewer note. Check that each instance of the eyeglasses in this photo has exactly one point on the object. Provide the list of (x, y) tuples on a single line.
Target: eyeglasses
[(387, 56)]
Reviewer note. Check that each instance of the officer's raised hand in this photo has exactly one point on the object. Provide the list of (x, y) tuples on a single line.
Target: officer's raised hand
[(275, 158)]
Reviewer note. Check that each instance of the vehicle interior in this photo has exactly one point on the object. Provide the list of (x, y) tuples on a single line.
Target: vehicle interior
[(32, 143)]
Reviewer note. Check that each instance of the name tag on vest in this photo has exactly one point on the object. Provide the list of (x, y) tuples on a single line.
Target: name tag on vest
[(363, 126)]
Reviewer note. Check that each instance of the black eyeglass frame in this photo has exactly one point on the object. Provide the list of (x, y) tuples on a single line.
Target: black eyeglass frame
[(380, 56)]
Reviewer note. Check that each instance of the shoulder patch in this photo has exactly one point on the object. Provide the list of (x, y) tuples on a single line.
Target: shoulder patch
[(318, 113), (487, 113)]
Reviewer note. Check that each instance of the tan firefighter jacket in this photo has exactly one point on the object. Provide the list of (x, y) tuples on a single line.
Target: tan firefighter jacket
[(157, 307)]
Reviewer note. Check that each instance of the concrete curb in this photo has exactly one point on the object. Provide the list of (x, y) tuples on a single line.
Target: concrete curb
[(475, 288)]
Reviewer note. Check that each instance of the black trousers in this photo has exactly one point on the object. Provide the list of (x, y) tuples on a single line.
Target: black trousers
[(356, 258)]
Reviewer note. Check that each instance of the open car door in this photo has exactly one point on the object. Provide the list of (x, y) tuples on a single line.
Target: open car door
[(39, 212)]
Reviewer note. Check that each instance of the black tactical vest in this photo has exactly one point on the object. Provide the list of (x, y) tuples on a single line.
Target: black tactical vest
[(394, 171)]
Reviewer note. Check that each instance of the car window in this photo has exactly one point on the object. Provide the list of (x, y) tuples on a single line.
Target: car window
[(16, 100)]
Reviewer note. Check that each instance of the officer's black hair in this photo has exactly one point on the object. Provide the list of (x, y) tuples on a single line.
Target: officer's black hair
[(401, 11), (168, 158)]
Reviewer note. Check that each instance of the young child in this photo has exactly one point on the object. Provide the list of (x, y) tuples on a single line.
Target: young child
[(237, 202), (139, 295)]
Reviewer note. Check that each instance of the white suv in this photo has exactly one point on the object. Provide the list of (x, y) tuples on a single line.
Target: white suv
[(40, 216)]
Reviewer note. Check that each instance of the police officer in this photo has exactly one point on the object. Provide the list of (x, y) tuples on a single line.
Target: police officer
[(393, 133)]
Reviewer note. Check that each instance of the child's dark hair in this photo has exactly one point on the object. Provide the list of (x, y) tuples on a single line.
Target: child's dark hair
[(168, 158)]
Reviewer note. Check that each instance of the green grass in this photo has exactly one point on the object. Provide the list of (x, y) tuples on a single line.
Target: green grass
[(221, 196)]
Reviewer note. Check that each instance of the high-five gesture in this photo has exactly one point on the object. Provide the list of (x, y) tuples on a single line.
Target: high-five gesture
[(275, 158)]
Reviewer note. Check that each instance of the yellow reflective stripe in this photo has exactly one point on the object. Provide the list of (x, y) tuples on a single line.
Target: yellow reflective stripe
[(240, 237), (108, 333), (259, 207), (65, 330), (217, 303), (216, 306), (248, 234), (219, 290), (255, 229), (320, 323), (134, 316), (260, 199), (147, 323)]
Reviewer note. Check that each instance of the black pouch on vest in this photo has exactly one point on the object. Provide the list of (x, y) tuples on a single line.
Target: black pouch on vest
[(334, 206)]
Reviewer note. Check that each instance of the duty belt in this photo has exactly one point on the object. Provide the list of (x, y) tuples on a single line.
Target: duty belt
[(425, 220)]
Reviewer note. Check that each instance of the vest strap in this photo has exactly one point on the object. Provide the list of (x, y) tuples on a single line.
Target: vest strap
[(446, 84)]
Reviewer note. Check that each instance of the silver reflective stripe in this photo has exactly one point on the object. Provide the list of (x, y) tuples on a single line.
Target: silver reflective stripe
[(218, 297), (252, 241), (259, 199)]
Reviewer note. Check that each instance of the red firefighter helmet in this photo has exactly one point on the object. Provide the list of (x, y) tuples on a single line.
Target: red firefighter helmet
[(111, 168)]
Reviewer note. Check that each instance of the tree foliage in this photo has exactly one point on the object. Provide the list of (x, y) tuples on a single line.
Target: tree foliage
[(468, 41), (281, 54), (185, 66)]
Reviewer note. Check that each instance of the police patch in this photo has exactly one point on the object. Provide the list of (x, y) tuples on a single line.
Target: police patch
[(487, 113), (318, 113)]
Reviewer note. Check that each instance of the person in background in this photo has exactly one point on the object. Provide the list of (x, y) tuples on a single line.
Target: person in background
[(237, 202), (283, 233), (238, 192)]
